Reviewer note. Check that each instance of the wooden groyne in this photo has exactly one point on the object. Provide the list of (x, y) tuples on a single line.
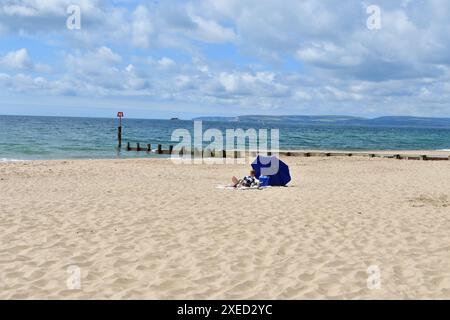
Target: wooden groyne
[(138, 147), (207, 153), (384, 155)]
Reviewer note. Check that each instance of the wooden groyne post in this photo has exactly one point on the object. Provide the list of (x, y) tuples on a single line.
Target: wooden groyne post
[(119, 130), (291, 153)]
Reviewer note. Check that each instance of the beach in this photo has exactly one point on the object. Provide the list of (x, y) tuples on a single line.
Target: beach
[(344, 228)]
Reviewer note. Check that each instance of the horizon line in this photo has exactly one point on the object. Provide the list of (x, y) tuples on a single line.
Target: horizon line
[(213, 116)]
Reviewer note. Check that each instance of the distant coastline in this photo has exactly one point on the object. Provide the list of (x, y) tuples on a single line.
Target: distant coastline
[(342, 120), (400, 121)]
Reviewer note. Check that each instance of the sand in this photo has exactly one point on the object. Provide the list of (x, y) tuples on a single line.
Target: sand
[(150, 229)]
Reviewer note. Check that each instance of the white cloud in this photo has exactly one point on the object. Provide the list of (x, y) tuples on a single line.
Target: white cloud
[(24, 83), (133, 81), (327, 54), (212, 32), (101, 72), (93, 62), (165, 62), (245, 84), (107, 55), (21, 61), (17, 60), (142, 27)]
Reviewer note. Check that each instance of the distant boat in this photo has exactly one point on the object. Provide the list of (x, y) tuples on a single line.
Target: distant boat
[(173, 119)]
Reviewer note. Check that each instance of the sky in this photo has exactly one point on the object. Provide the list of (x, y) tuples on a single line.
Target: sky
[(172, 58)]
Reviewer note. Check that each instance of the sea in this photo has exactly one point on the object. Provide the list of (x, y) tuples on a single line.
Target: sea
[(48, 138)]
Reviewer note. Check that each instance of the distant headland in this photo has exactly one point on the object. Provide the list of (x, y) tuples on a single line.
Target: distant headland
[(338, 120)]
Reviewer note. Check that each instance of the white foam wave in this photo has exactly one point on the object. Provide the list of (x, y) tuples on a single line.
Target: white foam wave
[(10, 160)]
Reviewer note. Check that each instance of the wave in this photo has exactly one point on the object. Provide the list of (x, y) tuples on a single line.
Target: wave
[(10, 160)]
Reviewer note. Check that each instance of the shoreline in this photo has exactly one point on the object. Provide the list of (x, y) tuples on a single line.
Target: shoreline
[(282, 153)]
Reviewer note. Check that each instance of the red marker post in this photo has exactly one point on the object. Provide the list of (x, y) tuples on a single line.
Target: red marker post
[(119, 130)]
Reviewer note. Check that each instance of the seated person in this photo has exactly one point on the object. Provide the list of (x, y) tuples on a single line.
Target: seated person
[(248, 181)]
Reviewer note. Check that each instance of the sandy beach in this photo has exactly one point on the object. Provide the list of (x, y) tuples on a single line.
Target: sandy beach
[(150, 229)]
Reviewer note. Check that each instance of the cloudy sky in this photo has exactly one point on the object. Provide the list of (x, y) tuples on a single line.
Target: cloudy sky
[(158, 59)]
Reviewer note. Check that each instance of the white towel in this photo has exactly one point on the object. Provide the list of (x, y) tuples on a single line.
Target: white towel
[(240, 188)]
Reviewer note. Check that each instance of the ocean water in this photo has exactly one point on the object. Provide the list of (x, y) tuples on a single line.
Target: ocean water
[(35, 138)]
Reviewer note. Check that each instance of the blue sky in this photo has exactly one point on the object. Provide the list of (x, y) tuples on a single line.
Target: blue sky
[(159, 59)]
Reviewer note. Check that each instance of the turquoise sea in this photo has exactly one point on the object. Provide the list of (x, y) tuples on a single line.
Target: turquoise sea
[(31, 138)]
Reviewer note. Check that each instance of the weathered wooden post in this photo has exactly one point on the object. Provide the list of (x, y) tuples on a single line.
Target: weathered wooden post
[(224, 154), (128, 146), (149, 147), (170, 149), (119, 130), (159, 149), (119, 137)]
